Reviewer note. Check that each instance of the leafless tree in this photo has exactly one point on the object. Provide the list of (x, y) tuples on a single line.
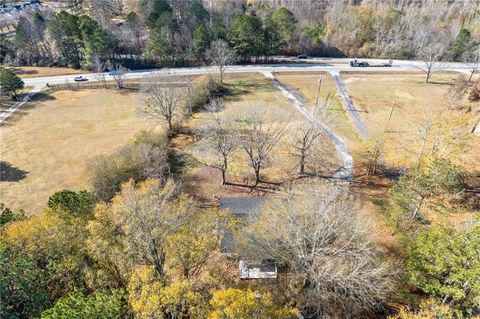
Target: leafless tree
[(431, 54), (221, 56), (326, 246), (119, 74), (99, 68), (163, 97), (219, 138), (303, 145), (472, 59), (146, 216), (259, 138)]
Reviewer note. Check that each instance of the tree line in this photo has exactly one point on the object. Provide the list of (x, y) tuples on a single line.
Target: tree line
[(162, 32)]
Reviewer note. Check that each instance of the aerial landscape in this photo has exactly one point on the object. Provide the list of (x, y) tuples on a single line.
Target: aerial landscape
[(237, 159)]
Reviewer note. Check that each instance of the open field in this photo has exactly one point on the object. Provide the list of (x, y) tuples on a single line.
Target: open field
[(48, 147), (334, 114), (415, 103), (26, 72)]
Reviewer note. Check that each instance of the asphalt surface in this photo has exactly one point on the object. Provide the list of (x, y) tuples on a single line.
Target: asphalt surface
[(332, 65), (282, 65)]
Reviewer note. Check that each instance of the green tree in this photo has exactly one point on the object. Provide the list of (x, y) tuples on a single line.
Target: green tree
[(430, 186), (161, 14), (71, 203), (283, 23), (9, 82), (247, 35), (201, 42), (77, 305), (64, 28), (235, 303), (22, 287), (446, 265), (461, 44)]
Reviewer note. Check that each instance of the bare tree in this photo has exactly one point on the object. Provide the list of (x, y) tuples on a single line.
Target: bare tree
[(259, 138), (303, 144), (431, 53), (472, 59), (219, 138), (119, 73), (146, 216), (221, 56), (163, 97), (333, 268), (99, 68)]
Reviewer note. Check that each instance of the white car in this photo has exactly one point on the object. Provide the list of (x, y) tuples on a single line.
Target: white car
[(80, 79)]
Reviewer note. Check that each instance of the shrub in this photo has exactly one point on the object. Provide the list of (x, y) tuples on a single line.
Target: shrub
[(146, 157), (475, 93)]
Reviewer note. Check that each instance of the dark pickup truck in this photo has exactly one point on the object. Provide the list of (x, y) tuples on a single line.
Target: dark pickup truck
[(364, 64)]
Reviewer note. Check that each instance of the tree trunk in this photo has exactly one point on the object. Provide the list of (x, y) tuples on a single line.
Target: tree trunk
[(257, 175), (224, 171)]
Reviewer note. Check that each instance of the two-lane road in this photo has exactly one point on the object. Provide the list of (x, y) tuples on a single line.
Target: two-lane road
[(282, 65)]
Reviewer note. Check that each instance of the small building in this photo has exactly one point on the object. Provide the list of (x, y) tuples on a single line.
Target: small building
[(250, 267)]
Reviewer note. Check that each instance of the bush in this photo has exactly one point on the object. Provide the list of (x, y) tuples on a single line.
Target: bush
[(474, 93), (205, 92), (146, 157)]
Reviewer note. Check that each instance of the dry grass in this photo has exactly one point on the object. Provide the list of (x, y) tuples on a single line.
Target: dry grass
[(374, 95), (307, 85), (248, 90), (55, 141), (26, 72)]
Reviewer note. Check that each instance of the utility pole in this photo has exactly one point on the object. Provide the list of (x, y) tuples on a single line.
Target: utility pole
[(318, 90), (390, 116)]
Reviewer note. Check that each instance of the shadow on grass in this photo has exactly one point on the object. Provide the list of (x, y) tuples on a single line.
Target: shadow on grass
[(9, 173), (18, 71)]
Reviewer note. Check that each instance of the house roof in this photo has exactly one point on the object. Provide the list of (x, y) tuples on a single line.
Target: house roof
[(240, 207)]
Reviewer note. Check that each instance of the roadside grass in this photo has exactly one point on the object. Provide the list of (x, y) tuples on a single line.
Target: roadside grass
[(54, 140), (26, 72), (415, 101)]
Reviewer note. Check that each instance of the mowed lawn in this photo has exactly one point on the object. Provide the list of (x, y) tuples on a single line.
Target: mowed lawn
[(415, 102), (26, 72), (54, 142), (334, 114)]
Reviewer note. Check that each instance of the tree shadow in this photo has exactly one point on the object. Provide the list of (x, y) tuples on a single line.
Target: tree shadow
[(19, 71), (9, 173)]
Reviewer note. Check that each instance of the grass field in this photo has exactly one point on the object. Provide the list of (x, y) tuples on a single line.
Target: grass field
[(415, 102), (48, 148), (26, 72), (307, 85)]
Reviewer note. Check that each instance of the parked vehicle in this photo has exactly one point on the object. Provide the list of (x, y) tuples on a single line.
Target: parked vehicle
[(364, 64), (302, 56), (80, 79), (360, 64)]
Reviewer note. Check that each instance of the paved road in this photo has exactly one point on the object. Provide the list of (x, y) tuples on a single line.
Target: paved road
[(346, 170), (317, 64), (282, 65)]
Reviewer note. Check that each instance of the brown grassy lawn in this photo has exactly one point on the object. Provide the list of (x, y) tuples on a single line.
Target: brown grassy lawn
[(374, 94), (247, 90), (26, 72), (55, 141)]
